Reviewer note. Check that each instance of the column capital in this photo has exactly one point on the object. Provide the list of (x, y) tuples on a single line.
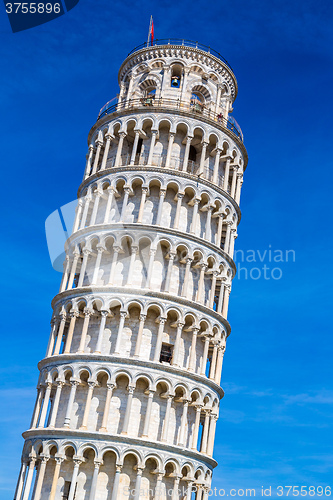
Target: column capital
[(150, 393), (86, 251), (98, 463), (74, 382), (131, 389), (44, 458), (162, 192), (110, 386), (88, 312), (143, 317), (74, 313), (59, 460), (77, 461), (119, 468), (162, 320), (104, 313)]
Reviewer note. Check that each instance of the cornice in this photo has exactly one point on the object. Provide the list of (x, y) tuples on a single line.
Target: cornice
[(132, 362), (89, 437), (156, 229), (170, 171), (138, 292)]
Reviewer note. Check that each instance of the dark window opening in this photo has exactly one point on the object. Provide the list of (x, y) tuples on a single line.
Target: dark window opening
[(192, 154), (67, 487), (166, 353), (138, 151)]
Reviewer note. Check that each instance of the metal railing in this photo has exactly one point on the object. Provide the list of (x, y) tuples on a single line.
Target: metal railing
[(181, 42), (178, 104)]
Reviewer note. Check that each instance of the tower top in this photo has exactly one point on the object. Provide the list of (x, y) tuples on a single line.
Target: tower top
[(188, 56)]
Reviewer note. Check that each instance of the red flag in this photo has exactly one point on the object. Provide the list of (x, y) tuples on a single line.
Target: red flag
[(152, 32)]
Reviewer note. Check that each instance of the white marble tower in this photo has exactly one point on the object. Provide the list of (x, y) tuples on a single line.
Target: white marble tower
[(129, 391)]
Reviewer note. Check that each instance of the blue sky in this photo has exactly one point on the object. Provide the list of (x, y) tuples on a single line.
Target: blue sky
[(275, 426)]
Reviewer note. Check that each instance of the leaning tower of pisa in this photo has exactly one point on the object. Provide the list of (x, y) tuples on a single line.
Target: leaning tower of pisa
[(129, 390)]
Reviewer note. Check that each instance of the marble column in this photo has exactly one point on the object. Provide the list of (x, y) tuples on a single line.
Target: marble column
[(164, 436), (123, 315), (45, 404), (130, 389), (170, 144), (183, 422), (226, 175), (122, 136), (186, 276), (97, 154), (139, 337), (108, 138), (160, 206), (159, 339), (87, 314), (180, 196), (203, 158), (20, 482), (40, 477), (93, 488), (100, 250), (91, 386), (58, 461), (74, 384), (86, 253), (77, 463), (171, 258), (144, 193), (109, 391), (195, 434), (55, 405), (175, 358), (192, 360), (111, 193), (148, 413), (116, 483), (152, 145), (135, 146), (27, 486), (187, 152), (73, 314), (98, 348)]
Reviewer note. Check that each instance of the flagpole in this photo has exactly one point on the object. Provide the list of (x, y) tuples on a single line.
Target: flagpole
[(151, 18)]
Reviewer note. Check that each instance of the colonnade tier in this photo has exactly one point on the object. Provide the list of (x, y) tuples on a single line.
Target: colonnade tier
[(121, 399), (160, 202), (164, 143), (149, 263), (138, 327), (52, 464)]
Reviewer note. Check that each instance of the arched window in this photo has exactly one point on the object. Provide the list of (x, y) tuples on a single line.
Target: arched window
[(176, 75), (197, 101)]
